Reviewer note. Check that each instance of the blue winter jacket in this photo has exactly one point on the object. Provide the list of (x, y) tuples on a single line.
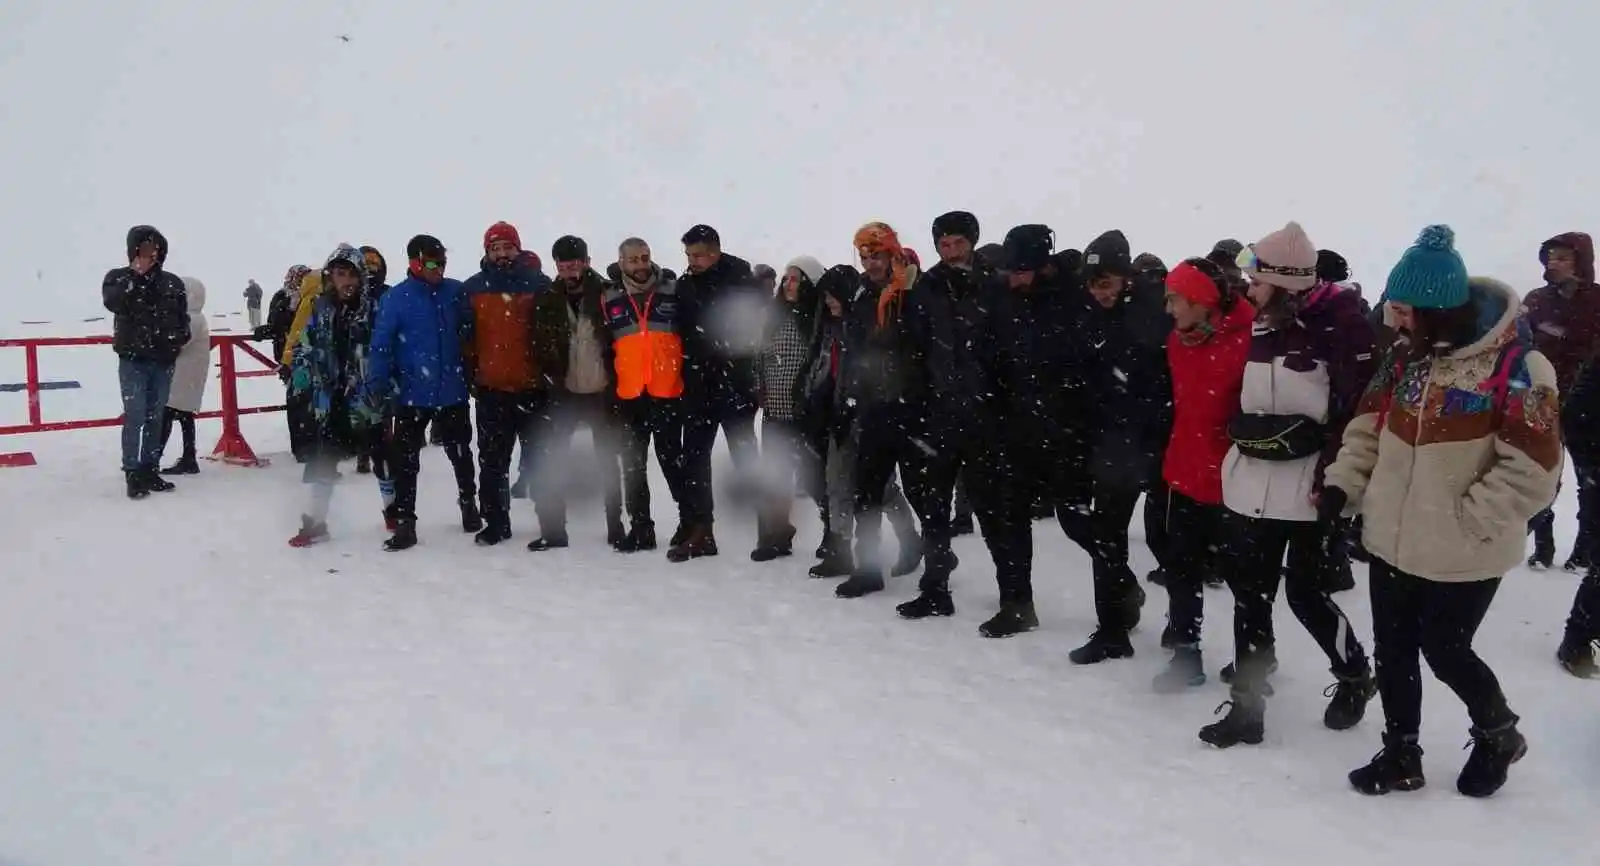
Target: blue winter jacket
[(416, 345)]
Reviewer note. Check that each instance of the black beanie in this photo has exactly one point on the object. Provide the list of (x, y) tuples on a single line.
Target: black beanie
[(424, 245), (992, 256), (840, 282), (1028, 247), (956, 222), (1331, 267), (1108, 254), (569, 248)]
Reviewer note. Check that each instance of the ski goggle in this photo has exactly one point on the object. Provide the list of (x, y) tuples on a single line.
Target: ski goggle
[(1249, 262)]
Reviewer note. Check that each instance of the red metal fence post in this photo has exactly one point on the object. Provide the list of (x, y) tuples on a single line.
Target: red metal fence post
[(35, 414), (231, 448)]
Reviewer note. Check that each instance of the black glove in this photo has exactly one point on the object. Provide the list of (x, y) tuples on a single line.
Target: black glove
[(1330, 507)]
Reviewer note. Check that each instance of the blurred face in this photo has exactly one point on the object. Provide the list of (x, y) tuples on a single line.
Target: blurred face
[(877, 266), (346, 280), (1261, 293), (503, 254), (791, 285), (767, 284), (1186, 314), (572, 270), (1560, 265), (636, 263), (145, 257), (1404, 316), (374, 262), (835, 309), (1106, 290), (702, 257), (955, 250)]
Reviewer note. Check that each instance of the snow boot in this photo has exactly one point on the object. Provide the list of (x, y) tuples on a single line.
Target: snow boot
[(553, 541), (471, 518), (775, 540), (1578, 562), (494, 532), (1244, 723), (1397, 768), (641, 538), (1544, 541), (838, 562), (860, 583), (1103, 645), (1577, 656), (1271, 655), (311, 532), (1186, 670), (697, 542), (404, 538), (679, 535), (364, 465), (155, 483), (1014, 618), (1493, 753), (929, 603), (1157, 577), (136, 488), (186, 465), (615, 531), (1350, 696)]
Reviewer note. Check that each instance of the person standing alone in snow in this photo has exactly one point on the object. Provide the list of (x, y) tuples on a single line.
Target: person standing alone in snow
[(252, 303), (150, 328), (416, 362), (1310, 358), (1455, 445), (189, 380), (328, 371)]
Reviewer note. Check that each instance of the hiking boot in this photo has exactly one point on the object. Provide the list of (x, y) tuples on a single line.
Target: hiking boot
[(492, 534), (679, 535), (186, 465), (311, 532), (1014, 618), (1244, 723), (1157, 577), (1579, 560), (931, 602), (405, 536), (155, 483), (641, 538), (1103, 645), (136, 488), (838, 563), (1544, 543), (1577, 656), (775, 544), (1229, 670), (471, 518), (1493, 753), (697, 542), (1397, 768), (860, 584), (548, 542), (1185, 671), (1350, 696)]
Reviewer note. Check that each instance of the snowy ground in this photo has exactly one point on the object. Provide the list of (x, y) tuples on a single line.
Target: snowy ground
[(182, 688)]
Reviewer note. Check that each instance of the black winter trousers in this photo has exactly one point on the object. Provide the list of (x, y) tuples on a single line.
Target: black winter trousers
[(1412, 616), (647, 419), (898, 435), (1584, 622), (597, 412), (302, 425), (506, 418), (454, 427), (700, 438), (1257, 569), (1197, 539), (184, 421)]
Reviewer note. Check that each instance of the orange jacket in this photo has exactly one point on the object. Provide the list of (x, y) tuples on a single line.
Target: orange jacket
[(647, 344)]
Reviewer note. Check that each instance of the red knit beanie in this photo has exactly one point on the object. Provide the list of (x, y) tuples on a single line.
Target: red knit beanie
[(502, 231), (1192, 284)]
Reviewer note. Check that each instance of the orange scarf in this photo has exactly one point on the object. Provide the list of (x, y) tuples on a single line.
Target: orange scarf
[(877, 237)]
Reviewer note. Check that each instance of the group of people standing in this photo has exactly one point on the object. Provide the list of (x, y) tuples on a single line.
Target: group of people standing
[(1249, 396)]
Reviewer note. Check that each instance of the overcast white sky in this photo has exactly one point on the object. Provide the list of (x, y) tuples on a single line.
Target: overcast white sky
[(256, 139)]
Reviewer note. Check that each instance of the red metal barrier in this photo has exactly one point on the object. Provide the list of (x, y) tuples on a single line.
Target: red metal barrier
[(231, 447)]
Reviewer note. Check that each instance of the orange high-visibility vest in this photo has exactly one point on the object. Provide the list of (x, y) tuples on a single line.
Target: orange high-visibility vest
[(646, 342)]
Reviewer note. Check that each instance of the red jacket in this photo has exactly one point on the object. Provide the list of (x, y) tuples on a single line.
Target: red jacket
[(1206, 380)]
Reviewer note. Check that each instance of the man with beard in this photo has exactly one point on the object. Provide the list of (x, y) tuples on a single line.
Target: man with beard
[(588, 394), (720, 347), (907, 383), (514, 356)]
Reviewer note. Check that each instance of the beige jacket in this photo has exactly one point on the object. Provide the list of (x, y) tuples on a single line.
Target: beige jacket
[(1448, 484)]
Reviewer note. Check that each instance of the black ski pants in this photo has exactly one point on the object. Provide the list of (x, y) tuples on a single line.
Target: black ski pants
[(1197, 541), (505, 419), (646, 420), (1257, 570), (1412, 616), (454, 426), (899, 435), (700, 438), (185, 422), (1584, 622)]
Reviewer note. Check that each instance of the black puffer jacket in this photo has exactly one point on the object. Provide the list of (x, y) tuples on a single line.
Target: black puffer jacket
[(151, 310), (915, 358), (1123, 356), (719, 369), (1037, 394)]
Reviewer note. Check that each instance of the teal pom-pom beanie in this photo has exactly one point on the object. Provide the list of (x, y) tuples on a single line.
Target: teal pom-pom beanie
[(1431, 275)]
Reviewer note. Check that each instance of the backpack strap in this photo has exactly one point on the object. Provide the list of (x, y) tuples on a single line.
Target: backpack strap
[(1500, 383)]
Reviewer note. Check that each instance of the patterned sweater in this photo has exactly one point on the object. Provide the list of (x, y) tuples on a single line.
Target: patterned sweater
[(1448, 458), (782, 361)]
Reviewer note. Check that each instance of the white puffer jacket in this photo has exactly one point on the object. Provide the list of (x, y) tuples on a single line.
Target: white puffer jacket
[(194, 362)]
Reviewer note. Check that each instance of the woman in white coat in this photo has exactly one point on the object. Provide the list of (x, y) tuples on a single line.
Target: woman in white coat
[(1310, 357), (189, 380)]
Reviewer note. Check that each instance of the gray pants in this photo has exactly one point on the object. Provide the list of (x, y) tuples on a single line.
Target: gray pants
[(842, 496), (145, 386)]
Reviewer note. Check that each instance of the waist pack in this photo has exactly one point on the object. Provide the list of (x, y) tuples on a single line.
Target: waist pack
[(1277, 437)]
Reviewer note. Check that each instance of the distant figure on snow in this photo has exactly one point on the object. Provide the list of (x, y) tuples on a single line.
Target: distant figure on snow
[(252, 303)]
